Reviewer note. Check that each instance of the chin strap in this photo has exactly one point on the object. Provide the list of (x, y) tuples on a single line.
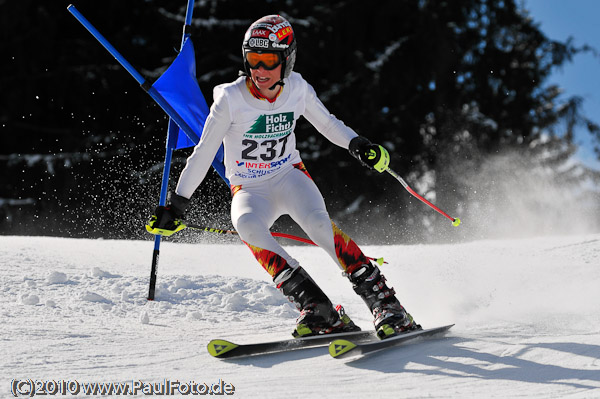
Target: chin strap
[(275, 85)]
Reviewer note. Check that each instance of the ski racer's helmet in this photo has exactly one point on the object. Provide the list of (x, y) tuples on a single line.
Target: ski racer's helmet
[(270, 41)]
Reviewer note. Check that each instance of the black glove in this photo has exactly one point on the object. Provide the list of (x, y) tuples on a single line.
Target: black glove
[(167, 218), (371, 155)]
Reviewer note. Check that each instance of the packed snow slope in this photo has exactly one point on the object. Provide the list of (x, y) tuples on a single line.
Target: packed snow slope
[(527, 316)]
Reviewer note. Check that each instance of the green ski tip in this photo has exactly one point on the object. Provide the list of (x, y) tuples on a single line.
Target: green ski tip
[(218, 347), (340, 346)]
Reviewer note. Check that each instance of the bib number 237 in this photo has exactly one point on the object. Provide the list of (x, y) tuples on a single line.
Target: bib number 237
[(267, 150)]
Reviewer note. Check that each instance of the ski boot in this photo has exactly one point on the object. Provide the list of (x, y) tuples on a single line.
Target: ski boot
[(390, 317), (317, 314)]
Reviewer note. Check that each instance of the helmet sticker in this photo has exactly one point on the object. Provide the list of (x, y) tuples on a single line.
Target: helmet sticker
[(279, 31), (258, 42), (260, 33), (285, 32)]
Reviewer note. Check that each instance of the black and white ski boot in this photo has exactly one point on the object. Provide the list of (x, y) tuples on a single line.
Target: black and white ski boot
[(390, 317), (317, 314)]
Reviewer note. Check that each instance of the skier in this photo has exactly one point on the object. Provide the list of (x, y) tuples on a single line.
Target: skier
[(254, 118)]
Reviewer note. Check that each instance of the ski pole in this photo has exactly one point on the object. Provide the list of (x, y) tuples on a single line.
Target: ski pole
[(180, 225), (235, 233), (455, 221), (380, 261)]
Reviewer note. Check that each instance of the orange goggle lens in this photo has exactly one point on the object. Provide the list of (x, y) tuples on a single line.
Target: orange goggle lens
[(268, 60)]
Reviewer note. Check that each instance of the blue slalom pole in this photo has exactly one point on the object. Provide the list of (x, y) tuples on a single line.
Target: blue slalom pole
[(164, 188), (174, 119)]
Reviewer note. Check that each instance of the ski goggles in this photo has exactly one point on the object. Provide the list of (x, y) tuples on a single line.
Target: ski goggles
[(269, 61)]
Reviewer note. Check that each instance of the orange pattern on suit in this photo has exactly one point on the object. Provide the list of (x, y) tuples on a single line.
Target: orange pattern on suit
[(300, 166), (348, 253), (270, 261)]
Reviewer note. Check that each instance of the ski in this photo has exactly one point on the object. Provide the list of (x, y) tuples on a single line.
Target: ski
[(225, 349), (342, 348)]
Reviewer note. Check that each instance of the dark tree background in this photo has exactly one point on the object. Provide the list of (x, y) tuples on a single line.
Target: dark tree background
[(448, 87)]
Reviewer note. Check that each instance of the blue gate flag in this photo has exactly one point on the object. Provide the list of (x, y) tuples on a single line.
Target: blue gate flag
[(179, 87)]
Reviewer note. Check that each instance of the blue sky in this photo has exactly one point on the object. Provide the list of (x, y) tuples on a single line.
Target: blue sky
[(579, 19)]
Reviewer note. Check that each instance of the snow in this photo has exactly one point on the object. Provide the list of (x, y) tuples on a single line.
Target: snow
[(527, 316)]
